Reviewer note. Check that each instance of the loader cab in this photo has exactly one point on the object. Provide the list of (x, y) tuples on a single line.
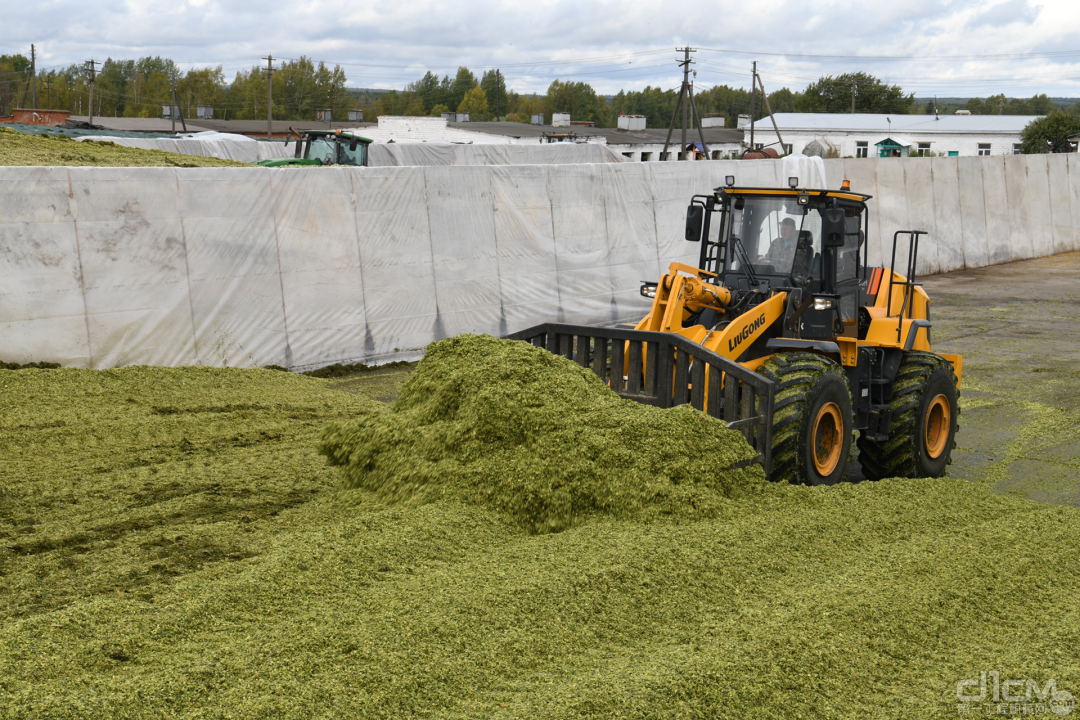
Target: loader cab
[(768, 239)]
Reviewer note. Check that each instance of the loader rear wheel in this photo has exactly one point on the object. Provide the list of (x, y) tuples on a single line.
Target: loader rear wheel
[(925, 407), (811, 418)]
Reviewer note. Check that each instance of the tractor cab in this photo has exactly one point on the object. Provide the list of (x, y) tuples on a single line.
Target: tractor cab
[(758, 241), (324, 147)]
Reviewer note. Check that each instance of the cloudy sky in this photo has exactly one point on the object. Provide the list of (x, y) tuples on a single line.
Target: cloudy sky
[(948, 48)]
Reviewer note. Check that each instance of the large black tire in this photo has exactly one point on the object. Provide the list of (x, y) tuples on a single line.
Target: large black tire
[(925, 409), (811, 433)]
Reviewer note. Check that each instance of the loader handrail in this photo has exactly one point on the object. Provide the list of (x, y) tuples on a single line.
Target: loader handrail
[(738, 396)]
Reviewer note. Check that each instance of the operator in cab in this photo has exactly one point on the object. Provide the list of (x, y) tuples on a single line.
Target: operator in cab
[(782, 249)]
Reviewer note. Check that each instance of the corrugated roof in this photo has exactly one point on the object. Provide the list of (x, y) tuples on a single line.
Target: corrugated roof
[(901, 123)]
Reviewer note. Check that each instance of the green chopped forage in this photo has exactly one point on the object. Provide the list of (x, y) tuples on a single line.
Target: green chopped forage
[(512, 426), (17, 148), (172, 545)]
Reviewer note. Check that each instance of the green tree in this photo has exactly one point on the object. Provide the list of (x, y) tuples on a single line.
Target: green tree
[(330, 91), (495, 90), (146, 93), (415, 108), (783, 100), (580, 100), (475, 103), (831, 94), (438, 110), (976, 106), (247, 96), (204, 86), (296, 93), (1040, 105), (428, 90), (1049, 133), (463, 83), (117, 74), (729, 102), (655, 104)]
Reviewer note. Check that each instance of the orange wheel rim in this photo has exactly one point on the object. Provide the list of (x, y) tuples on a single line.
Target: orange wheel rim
[(828, 439), (938, 423)]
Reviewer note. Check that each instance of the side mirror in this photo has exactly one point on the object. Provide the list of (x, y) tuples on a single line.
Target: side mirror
[(833, 227), (352, 146), (695, 218)]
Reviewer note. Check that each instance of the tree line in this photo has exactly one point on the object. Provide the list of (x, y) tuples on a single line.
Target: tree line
[(139, 88), (488, 96)]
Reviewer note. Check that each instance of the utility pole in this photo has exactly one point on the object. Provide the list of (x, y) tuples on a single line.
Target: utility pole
[(497, 95), (686, 83), (33, 72), (753, 97), (765, 98), (175, 109), (854, 89), (269, 97), (93, 76), (687, 103)]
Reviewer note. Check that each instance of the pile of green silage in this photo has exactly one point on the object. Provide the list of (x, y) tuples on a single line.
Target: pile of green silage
[(173, 545), (535, 435), (17, 148)]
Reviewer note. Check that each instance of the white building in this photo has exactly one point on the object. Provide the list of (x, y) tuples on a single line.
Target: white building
[(866, 135)]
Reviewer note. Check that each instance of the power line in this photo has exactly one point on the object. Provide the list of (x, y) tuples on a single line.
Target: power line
[(908, 58)]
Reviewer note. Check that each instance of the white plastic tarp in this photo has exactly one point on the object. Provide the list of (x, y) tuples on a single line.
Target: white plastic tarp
[(443, 153), (810, 171), (226, 146), (103, 267)]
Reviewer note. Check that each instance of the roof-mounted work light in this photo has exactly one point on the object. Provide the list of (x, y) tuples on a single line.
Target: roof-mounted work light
[(793, 182)]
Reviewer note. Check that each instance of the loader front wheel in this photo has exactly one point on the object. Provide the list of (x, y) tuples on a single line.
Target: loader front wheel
[(925, 406), (811, 418)]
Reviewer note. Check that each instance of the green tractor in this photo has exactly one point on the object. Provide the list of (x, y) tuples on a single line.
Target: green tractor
[(324, 147)]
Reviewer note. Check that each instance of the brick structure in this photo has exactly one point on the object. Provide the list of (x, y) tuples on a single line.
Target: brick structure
[(51, 118)]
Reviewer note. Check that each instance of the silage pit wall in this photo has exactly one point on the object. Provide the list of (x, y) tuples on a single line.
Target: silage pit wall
[(246, 267)]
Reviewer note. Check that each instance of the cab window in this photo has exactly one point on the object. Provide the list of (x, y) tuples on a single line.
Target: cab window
[(350, 156), (322, 150)]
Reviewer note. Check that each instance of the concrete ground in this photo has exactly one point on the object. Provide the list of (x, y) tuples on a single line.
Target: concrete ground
[(1018, 328)]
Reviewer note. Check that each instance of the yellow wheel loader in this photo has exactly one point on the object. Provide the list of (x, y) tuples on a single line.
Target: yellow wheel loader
[(784, 332)]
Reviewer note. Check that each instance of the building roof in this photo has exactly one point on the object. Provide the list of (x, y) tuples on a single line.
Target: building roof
[(868, 122), (130, 124), (242, 127), (649, 136), (499, 132)]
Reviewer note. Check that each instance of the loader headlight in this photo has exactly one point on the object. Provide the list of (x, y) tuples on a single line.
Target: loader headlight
[(803, 198), (648, 289), (823, 304)]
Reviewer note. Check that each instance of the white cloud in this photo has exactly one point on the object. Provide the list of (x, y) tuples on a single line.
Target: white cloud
[(386, 43)]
